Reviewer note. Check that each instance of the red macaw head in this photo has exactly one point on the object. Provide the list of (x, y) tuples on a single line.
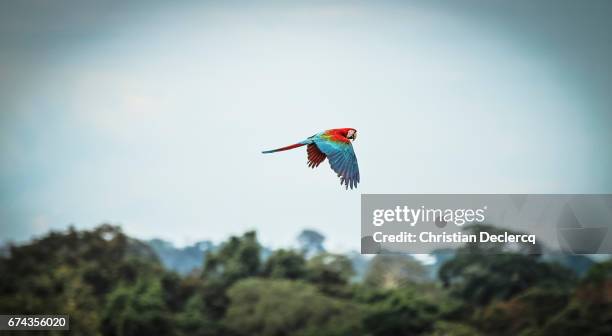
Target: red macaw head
[(351, 134)]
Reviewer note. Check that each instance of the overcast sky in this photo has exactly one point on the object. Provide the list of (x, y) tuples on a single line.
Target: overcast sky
[(153, 116)]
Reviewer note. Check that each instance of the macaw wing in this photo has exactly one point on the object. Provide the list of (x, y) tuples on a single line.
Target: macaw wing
[(315, 156), (342, 160)]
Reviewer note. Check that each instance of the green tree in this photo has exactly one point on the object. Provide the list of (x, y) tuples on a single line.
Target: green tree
[(194, 320), (408, 310), (523, 314), (392, 271), (283, 307), (330, 272), (237, 258), (137, 309), (111, 284), (445, 328), (72, 273), (590, 309), (286, 264), (480, 278)]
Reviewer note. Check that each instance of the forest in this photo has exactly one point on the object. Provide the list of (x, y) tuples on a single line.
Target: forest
[(112, 284)]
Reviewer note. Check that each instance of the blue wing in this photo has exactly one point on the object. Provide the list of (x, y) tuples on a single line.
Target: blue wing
[(342, 160)]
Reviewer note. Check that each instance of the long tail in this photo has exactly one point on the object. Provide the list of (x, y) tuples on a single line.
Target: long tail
[(299, 144)]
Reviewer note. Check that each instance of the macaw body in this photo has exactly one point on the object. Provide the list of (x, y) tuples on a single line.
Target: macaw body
[(335, 145)]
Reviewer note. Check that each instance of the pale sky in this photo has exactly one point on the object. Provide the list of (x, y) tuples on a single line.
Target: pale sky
[(153, 116)]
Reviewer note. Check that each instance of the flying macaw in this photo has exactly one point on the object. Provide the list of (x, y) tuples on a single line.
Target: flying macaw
[(334, 144)]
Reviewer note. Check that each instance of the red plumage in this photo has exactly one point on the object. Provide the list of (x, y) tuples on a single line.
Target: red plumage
[(315, 156)]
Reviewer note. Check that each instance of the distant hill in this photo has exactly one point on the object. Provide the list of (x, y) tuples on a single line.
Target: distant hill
[(185, 260), (578, 263), (360, 264), (182, 260)]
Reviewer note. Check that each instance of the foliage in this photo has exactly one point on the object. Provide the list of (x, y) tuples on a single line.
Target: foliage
[(236, 259), (137, 309), (311, 242), (481, 273), (408, 310), (590, 309), (72, 273), (285, 264), (111, 284), (330, 272), (283, 307), (479, 278), (444, 328), (527, 312), (392, 271)]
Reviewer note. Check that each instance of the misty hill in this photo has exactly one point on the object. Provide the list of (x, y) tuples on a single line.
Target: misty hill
[(182, 260), (185, 260)]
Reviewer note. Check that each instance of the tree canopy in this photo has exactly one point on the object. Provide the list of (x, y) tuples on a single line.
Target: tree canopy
[(111, 284)]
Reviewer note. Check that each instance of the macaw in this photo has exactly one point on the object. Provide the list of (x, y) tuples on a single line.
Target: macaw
[(334, 144)]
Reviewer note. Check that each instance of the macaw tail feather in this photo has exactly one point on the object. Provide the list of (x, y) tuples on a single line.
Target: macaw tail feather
[(299, 144)]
